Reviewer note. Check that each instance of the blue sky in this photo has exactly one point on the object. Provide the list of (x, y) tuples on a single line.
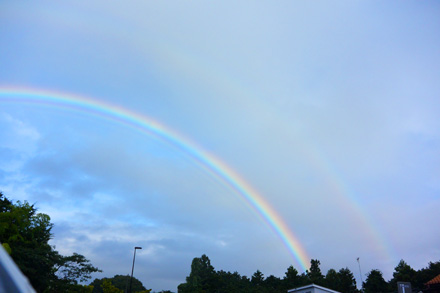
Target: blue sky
[(328, 109)]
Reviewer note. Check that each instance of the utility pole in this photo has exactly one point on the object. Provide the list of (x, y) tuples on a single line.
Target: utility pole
[(132, 268)]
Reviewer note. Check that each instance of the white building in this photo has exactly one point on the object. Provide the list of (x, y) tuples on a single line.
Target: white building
[(312, 289)]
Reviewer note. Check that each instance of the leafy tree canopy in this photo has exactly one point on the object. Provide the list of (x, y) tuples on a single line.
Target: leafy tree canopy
[(119, 282), (25, 234), (202, 277)]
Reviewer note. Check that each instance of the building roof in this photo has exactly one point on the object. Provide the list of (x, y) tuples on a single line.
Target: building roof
[(436, 280), (313, 286)]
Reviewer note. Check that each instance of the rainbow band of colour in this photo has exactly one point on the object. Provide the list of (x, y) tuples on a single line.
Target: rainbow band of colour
[(206, 160)]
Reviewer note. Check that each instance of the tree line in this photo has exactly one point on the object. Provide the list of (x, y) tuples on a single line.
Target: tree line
[(25, 235), (204, 278)]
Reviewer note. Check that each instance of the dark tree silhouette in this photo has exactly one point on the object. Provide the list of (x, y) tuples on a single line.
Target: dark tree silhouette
[(375, 283)]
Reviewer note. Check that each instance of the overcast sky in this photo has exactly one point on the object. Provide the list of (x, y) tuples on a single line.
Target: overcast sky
[(327, 109)]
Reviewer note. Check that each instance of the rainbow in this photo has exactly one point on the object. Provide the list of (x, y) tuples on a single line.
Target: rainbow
[(348, 201), (207, 161)]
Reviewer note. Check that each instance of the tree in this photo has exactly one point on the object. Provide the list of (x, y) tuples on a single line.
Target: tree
[(257, 282), (120, 282), (402, 273), (426, 274), (291, 279), (315, 275), (347, 282), (257, 278), (342, 281), (272, 284), (25, 234), (201, 278), (108, 287), (375, 283), (332, 279), (73, 268), (231, 282)]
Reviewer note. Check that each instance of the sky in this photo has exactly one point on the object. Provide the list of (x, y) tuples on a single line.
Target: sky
[(262, 134)]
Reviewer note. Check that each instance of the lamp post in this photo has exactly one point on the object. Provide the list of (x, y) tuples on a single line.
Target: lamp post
[(132, 268)]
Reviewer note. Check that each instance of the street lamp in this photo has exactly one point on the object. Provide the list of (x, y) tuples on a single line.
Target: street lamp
[(132, 268)]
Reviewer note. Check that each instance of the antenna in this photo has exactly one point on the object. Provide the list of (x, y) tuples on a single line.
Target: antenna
[(360, 273)]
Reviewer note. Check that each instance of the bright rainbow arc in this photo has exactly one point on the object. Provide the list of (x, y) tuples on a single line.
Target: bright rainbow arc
[(204, 159)]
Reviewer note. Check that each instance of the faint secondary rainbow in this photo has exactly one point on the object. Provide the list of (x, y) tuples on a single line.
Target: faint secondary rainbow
[(143, 123), (348, 202)]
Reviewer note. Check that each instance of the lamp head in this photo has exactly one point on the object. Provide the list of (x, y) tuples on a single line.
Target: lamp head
[(137, 247)]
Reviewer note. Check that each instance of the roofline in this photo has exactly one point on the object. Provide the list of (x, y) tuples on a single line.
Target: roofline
[(313, 286)]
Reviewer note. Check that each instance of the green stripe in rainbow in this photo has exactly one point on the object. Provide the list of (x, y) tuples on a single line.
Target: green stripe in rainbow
[(143, 123)]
